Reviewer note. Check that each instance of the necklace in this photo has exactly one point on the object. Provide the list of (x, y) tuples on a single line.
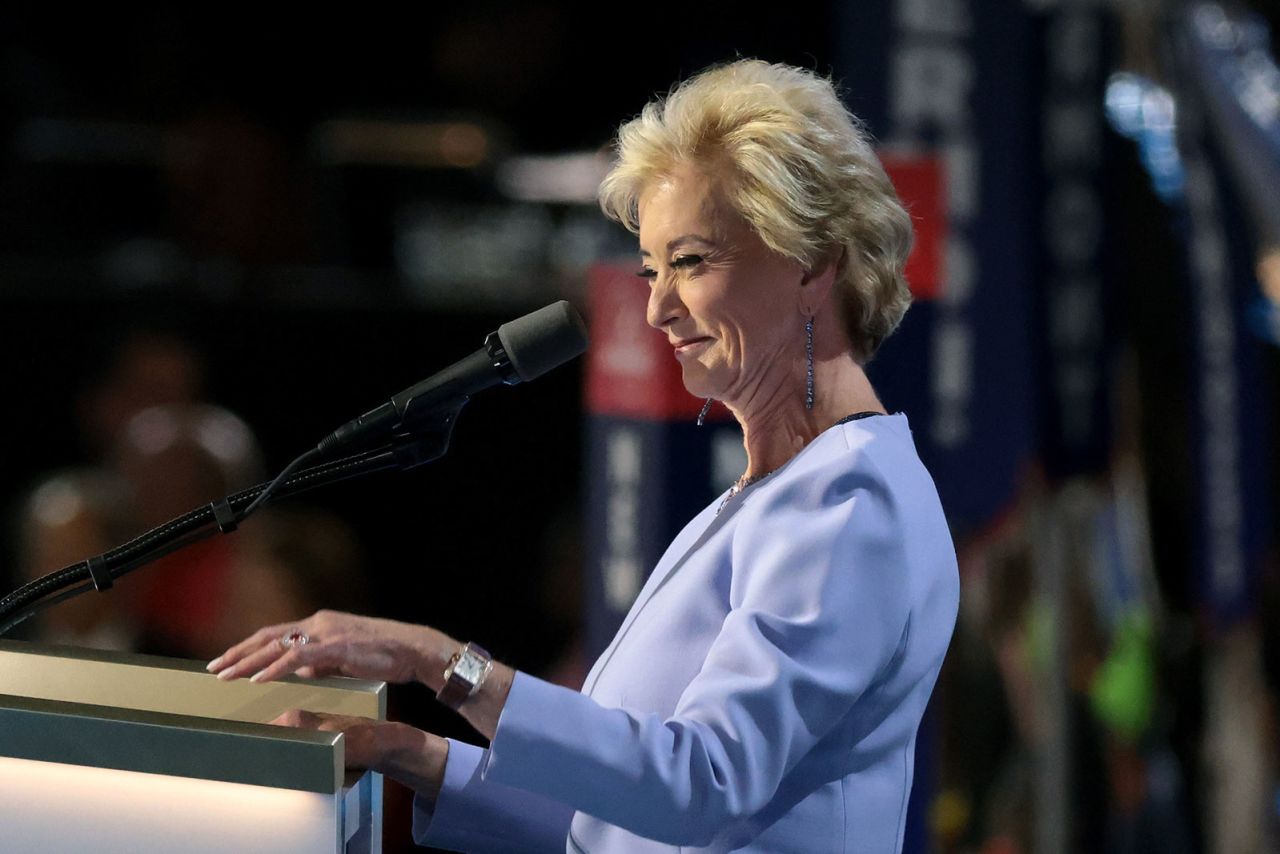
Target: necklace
[(744, 481)]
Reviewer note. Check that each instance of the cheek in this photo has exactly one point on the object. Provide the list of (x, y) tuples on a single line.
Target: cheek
[(761, 332)]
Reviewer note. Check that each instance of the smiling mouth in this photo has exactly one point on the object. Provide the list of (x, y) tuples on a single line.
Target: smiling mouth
[(690, 345)]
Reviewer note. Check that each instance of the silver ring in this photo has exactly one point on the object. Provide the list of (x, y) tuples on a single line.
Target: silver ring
[(294, 638)]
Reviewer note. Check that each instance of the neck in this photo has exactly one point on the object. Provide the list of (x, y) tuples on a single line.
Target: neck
[(777, 426)]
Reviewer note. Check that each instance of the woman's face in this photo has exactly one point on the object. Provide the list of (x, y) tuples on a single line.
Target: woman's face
[(727, 303)]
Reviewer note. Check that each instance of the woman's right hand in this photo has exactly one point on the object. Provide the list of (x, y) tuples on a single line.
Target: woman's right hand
[(413, 757), (334, 643)]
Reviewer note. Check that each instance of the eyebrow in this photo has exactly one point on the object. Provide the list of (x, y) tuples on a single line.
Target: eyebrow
[(681, 240)]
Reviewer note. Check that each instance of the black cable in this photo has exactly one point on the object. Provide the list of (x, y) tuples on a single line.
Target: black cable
[(265, 495)]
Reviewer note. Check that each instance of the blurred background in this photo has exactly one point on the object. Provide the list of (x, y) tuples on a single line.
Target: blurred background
[(222, 235)]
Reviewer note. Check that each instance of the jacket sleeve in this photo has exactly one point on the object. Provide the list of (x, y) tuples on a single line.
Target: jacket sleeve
[(471, 814), (819, 610)]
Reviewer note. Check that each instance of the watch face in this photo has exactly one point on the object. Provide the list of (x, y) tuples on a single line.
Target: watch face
[(470, 668)]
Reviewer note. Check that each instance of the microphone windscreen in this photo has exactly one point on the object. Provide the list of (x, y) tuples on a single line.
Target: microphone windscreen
[(543, 339)]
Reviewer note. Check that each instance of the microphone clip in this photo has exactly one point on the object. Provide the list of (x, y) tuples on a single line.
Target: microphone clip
[(429, 441)]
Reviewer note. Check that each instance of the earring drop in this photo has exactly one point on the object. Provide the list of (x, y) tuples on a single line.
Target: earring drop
[(706, 407), (808, 351)]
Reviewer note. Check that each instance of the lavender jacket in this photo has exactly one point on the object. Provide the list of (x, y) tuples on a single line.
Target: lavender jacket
[(763, 693)]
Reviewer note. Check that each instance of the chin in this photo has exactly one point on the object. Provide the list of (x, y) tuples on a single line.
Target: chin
[(698, 384)]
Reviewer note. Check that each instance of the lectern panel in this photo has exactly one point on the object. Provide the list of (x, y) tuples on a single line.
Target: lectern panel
[(178, 745), (49, 807), (103, 751)]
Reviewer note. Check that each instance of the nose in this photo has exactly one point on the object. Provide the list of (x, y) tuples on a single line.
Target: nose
[(664, 306)]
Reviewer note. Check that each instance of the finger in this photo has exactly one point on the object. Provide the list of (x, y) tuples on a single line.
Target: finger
[(319, 669), (296, 718), (306, 655), (336, 723), (282, 665), (254, 642), (255, 661), (319, 721)]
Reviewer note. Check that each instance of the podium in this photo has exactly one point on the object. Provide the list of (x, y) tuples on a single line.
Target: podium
[(104, 751)]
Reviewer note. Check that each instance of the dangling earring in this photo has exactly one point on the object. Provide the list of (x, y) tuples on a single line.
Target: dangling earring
[(706, 407), (808, 352)]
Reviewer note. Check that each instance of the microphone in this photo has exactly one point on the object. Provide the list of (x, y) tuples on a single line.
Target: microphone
[(520, 350)]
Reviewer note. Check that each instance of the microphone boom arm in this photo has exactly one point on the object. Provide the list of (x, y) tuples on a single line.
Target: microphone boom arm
[(429, 442)]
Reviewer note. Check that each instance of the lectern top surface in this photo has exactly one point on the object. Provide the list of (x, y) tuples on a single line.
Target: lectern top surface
[(169, 716)]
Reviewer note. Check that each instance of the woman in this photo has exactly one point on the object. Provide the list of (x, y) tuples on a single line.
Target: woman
[(765, 690)]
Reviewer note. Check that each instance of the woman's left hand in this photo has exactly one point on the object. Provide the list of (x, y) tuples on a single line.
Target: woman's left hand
[(333, 643), (413, 757)]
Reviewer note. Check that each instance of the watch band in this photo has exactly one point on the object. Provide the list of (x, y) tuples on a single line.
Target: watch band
[(465, 673)]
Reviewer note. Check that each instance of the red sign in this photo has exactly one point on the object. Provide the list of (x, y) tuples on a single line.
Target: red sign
[(632, 371), (920, 186)]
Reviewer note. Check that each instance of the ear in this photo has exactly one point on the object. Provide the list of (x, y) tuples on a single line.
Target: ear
[(817, 282)]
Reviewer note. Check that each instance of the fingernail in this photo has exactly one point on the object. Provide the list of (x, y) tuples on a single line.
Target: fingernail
[(257, 677), (213, 665), (225, 675)]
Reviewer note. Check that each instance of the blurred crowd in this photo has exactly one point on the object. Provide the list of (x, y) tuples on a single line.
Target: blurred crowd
[(160, 449), (1063, 693)]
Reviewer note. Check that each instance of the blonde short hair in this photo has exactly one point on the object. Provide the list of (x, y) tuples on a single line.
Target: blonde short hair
[(803, 175)]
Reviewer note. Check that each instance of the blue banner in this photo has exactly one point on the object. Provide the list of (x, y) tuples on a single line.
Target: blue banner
[(953, 78), (1231, 415), (1238, 85), (1076, 344)]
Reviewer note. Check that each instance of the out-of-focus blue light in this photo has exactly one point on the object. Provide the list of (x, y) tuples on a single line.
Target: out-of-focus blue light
[(1145, 112)]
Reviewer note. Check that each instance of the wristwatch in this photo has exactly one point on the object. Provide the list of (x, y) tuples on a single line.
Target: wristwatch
[(464, 674)]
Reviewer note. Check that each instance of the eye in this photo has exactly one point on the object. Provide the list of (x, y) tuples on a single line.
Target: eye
[(687, 261), (647, 273)]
